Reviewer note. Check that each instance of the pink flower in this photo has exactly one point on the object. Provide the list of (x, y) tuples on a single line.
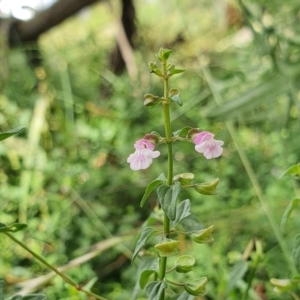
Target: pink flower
[(143, 155), (206, 144)]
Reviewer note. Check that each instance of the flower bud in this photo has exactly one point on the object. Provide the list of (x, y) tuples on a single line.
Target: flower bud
[(184, 178)]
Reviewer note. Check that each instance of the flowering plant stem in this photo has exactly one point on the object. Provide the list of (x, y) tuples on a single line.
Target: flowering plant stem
[(54, 269), (168, 133)]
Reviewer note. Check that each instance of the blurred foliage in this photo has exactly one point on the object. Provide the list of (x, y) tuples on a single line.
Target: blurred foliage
[(67, 175)]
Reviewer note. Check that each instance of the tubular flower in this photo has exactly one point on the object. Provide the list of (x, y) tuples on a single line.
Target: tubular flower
[(143, 155), (206, 144)]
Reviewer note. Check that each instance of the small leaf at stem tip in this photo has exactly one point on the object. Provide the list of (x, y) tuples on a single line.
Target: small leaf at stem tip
[(167, 248), (207, 188), (164, 54), (197, 287), (184, 178), (203, 236), (176, 71), (184, 264), (7, 134)]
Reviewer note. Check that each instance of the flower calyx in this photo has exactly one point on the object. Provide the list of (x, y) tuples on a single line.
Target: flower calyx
[(207, 188), (167, 248)]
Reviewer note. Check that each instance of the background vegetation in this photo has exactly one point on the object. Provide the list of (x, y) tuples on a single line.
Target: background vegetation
[(67, 175)]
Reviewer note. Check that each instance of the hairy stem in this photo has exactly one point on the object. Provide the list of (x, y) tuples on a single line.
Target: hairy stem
[(168, 133)]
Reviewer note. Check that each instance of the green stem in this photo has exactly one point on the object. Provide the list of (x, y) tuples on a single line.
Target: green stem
[(43, 261), (168, 133)]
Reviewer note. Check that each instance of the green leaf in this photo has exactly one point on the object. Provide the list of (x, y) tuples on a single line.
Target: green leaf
[(264, 92), (174, 95), (161, 179), (155, 289), (288, 211), (186, 296), (183, 211), (144, 277), (28, 297), (13, 227), (7, 134), (145, 235), (293, 170), (185, 264), (182, 132), (197, 287), (203, 236), (2, 286), (296, 252), (237, 272), (167, 197), (176, 71)]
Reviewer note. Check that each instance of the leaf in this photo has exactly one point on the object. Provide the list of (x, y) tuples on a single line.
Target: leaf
[(176, 71), (182, 132), (186, 296), (296, 252), (155, 289), (183, 211), (2, 286), (288, 211), (144, 277), (13, 227), (237, 272), (7, 134), (161, 179), (145, 235), (293, 170), (167, 198), (174, 95), (255, 96), (28, 297)]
